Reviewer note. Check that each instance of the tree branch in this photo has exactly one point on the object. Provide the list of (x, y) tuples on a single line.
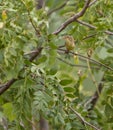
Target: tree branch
[(7, 85), (43, 124), (73, 65), (89, 36), (90, 59), (72, 19), (37, 52), (75, 18), (32, 23), (85, 24), (93, 100), (93, 77), (109, 32), (83, 120), (92, 27), (30, 19), (92, 2), (40, 4)]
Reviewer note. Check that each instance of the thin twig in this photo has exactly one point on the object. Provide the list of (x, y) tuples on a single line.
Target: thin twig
[(92, 2), (89, 36), (72, 19), (83, 120), (86, 24), (92, 26), (90, 59), (32, 23), (30, 19), (109, 32), (73, 65), (81, 58)]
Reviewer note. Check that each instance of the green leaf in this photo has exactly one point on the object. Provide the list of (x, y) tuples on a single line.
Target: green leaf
[(69, 89), (52, 45), (60, 118), (70, 95), (110, 120), (8, 111), (108, 110), (53, 71), (42, 59), (65, 82), (68, 126), (112, 101), (110, 50), (1, 115)]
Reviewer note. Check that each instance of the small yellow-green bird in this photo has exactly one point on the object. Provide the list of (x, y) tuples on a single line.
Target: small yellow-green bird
[(69, 42), (4, 15)]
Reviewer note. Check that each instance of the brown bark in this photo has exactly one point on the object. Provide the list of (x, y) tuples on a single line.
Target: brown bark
[(43, 124), (40, 4)]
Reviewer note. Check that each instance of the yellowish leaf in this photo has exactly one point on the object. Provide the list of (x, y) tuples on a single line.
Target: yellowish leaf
[(76, 59), (1, 25), (4, 15)]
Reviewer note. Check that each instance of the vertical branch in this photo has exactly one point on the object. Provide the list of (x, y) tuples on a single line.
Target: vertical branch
[(92, 77), (40, 4), (43, 124), (93, 100)]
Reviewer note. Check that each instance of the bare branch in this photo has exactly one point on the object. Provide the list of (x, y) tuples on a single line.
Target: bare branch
[(43, 124), (32, 23), (38, 51), (109, 32), (75, 18), (30, 19), (93, 77), (90, 59), (86, 24), (92, 2), (73, 65), (83, 120), (89, 36), (92, 27), (72, 19), (5, 86), (93, 100), (40, 3)]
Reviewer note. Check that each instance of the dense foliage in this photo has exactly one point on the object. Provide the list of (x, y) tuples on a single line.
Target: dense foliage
[(40, 78)]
